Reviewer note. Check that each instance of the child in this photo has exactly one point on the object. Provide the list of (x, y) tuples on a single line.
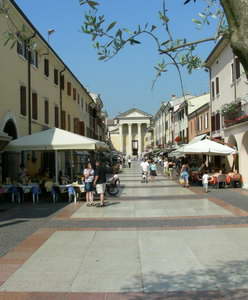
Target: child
[(205, 179)]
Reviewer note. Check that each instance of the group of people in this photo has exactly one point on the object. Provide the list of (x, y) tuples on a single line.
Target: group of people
[(148, 167), (95, 179)]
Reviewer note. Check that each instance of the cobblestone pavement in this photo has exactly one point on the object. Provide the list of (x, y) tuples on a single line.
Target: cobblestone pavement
[(154, 241)]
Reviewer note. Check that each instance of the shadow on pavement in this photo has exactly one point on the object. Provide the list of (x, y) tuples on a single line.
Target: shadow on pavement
[(228, 281), (12, 223)]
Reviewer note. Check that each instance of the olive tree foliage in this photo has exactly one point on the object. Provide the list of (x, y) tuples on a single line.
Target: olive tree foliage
[(109, 39)]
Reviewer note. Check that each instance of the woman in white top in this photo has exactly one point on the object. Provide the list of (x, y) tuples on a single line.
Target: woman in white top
[(88, 179)]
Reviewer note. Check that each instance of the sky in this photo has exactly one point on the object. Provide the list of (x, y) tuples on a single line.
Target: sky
[(125, 81)]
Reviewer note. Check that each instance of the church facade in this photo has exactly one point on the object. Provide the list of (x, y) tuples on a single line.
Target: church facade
[(129, 132)]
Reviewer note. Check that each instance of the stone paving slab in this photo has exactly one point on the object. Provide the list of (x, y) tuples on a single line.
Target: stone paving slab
[(157, 261)]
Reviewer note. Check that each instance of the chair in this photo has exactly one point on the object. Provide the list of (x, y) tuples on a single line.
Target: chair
[(72, 193), (55, 192), (48, 186), (35, 193), (15, 194)]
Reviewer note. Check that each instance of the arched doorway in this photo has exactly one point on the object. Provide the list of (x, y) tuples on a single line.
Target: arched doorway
[(234, 160), (10, 160)]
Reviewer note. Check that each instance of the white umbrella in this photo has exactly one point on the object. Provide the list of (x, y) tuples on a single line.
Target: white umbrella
[(54, 139), (208, 147)]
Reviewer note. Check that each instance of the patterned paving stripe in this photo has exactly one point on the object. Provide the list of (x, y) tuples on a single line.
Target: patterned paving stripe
[(149, 223), (205, 295)]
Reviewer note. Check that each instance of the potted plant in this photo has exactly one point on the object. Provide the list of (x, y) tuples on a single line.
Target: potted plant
[(232, 110)]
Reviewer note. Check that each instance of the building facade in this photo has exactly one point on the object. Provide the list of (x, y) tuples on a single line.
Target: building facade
[(129, 132), (229, 104), (38, 91)]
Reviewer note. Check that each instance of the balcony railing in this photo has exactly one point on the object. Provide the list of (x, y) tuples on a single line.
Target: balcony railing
[(236, 117)]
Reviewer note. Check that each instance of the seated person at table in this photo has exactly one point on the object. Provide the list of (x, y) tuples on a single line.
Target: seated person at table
[(22, 176)]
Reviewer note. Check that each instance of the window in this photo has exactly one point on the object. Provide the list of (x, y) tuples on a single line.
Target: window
[(23, 101), (217, 85), (69, 122), (82, 128), (76, 123), (237, 67), (213, 89), (56, 76), (68, 88), (56, 116), (34, 58), (232, 70), (46, 67), (200, 123), (62, 82), (34, 106), (22, 49), (63, 120), (82, 104), (74, 94), (78, 99), (206, 121), (217, 117), (213, 122), (46, 112)]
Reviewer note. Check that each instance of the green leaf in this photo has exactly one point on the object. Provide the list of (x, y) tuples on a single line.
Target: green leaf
[(92, 4), (102, 57), (198, 22), (165, 43), (111, 26)]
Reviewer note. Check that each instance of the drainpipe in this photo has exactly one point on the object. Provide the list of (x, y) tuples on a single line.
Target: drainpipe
[(234, 78), (29, 86), (60, 96), (211, 101)]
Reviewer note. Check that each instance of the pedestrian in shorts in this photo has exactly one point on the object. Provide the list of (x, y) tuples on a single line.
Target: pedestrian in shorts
[(205, 179), (100, 181)]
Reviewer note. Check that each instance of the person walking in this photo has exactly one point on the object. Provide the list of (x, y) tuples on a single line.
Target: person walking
[(100, 181), (185, 174), (88, 179), (166, 165), (129, 162), (153, 170), (205, 179), (145, 169)]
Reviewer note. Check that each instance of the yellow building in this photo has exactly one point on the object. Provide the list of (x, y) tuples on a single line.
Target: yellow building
[(38, 91), (129, 132)]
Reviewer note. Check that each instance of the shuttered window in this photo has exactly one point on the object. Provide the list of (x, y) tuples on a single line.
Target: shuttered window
[(56, 116), (34, 106), (46, 67), (56, 76), (217, 85), (68, 88), (237, 67), (212, 89), (63, 120), (62, 82), (46, 112), (74, 94), (217, 121), (23, 101), (76, 129), (213, 123), (69, 122)]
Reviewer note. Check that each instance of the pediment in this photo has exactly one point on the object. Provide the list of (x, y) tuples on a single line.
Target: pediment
[(134, 113)]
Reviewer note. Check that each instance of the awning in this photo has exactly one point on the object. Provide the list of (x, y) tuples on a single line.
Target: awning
[(198, 138), (207, 147), (55, 139)]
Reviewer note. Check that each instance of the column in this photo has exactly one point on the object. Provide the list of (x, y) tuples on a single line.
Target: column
[(139, 139), (130, 151), (121, 137)]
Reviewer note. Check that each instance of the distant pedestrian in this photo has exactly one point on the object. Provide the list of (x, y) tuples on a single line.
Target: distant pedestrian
[(88, 178), (205, 179), (153, 170), (185, 174), (100, 181), (166, 164), (129, 161)]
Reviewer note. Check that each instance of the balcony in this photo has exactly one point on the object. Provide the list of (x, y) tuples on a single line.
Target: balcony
[(237, 116)]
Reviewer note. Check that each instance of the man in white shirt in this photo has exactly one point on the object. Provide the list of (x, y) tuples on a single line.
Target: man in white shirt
[(145, 168), (205, 179)]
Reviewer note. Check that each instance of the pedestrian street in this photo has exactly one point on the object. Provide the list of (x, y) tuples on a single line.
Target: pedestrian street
[(156, 240)]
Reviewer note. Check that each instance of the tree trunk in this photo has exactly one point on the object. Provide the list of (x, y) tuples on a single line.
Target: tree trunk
[(237, 17)]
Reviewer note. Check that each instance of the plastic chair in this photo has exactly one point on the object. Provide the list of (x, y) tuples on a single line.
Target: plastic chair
[(35, 193), (55, 193), (72, 193), (15, 194)]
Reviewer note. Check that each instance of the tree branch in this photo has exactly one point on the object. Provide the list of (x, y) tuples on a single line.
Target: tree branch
[(187, 45)]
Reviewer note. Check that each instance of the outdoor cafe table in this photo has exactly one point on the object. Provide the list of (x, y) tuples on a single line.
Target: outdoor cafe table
[(79, 188)]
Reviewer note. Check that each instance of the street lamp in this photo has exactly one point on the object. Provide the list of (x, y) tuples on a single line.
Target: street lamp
[(49, 32)]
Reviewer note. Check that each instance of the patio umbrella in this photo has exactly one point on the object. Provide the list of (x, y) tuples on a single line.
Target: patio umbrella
[(207, 147)]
